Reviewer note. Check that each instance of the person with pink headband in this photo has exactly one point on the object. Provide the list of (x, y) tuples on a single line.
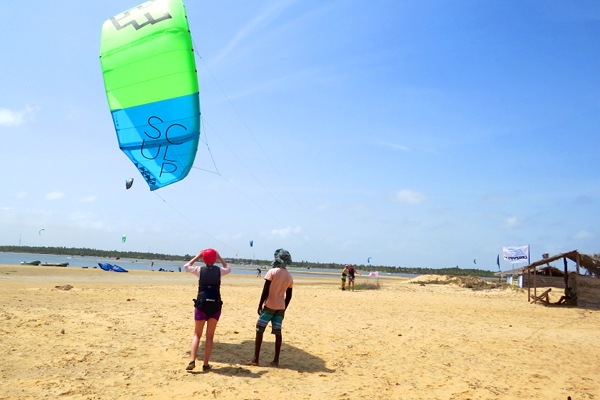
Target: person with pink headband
[(207, 304)]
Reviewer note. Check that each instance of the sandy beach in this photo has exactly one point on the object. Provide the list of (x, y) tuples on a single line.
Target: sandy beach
[(73, 333)]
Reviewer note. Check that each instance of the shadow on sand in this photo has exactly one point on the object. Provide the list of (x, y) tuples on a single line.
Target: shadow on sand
[(237, 354)]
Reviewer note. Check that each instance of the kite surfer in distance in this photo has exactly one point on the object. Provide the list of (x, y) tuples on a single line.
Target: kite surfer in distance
[(344, 275), (351, 272), (207, 304)]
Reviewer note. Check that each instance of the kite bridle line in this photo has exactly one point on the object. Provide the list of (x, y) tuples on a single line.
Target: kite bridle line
[(265, 155), (258, 180), (191, 222)]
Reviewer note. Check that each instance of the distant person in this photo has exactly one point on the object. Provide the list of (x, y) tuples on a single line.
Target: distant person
[(351, 273), (344, 275), (259, 272), (207, 305), (568, 298), (274, 300)]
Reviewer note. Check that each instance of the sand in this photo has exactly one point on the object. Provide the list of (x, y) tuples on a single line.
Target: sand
[(127, 336)]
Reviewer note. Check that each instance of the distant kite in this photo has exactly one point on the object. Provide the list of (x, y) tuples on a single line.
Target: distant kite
[(128, 183), (40, 231), (475, 261), (369, 260), (123, 238), (251, 243)]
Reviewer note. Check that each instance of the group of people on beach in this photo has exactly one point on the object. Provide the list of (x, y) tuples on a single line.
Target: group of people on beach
[(350, 273), (274, 300)]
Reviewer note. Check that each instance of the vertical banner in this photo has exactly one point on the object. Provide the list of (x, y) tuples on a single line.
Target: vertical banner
[(516, 254)]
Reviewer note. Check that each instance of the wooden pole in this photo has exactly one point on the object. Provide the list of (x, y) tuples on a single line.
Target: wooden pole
[(534, 283), (566, 273), (528, 285)]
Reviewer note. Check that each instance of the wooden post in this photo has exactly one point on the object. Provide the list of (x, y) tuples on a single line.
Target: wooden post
[(528, 286), (534, 283), (578, 262), (566, 273)]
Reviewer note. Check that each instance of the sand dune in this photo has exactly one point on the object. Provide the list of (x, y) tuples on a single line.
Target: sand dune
[(127, 336)]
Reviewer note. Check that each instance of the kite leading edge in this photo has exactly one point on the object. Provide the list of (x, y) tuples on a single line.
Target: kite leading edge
[(151, 84)]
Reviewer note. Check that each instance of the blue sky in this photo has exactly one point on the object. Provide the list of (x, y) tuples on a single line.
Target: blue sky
[(418, 133)]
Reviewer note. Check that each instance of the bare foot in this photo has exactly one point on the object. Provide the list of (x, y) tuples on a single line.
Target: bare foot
[(252, 362)]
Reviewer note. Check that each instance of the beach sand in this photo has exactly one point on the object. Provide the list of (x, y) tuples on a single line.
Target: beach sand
[(127, 336)]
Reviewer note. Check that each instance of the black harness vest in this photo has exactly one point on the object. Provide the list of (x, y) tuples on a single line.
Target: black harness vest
[(209, 290)]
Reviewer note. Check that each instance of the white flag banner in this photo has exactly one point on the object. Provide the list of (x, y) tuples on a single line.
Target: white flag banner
[(374, 274), (516, 254)]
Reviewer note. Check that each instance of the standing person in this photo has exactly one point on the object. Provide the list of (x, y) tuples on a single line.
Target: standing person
[(351, 272), (207, 303), (274, 300), (344, 275)]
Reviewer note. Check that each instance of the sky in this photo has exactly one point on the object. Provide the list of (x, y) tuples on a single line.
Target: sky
[(417, 133)]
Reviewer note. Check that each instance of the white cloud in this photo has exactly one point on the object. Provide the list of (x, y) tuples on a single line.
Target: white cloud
[(584, 235), (511, 222), (89, 199), (15, 117), (55, 196), (286, 232), (252, 26), (356, 207), (323, 206), (394, 146), (411, 197)]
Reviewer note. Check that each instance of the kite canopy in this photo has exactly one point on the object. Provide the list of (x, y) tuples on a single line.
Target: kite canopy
[(151, 86), (128, 183)]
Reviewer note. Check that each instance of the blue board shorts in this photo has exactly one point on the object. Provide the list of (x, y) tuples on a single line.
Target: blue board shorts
[(274, 316)]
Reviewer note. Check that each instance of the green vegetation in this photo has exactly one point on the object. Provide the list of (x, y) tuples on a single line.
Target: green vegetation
[(73, 251)]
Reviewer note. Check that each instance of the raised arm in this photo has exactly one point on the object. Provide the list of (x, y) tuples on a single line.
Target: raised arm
[(193, 260)]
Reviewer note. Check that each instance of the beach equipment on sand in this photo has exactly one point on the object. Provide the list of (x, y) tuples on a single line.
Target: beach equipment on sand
[(149, 71), (110, 267), (55, 264), (36, 262)]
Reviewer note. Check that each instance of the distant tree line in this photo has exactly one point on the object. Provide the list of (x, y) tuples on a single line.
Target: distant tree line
[(85, 252)]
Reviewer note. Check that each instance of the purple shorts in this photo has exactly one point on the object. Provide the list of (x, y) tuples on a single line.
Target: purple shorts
[(201, 315)]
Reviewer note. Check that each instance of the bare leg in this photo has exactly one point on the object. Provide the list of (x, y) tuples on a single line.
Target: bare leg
[(196, 339), (257, 343), (278, 341), (210, 335)]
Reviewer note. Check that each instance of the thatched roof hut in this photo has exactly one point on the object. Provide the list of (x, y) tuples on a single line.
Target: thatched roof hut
[(587, 288)]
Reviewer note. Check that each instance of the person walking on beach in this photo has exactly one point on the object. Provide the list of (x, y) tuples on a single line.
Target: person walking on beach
[(274, 300), (207, 305), (351, 272), (344, 275)]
